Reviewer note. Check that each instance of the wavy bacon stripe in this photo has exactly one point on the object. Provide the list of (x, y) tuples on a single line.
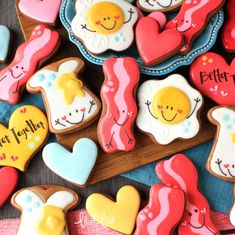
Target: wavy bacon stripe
[(179, 171), (41, 45), (163, 212), (119, 105), (192, 19)]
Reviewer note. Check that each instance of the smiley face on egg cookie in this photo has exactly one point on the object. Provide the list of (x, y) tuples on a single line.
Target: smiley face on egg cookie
[(168, 109), (159, 5), (103, 25)]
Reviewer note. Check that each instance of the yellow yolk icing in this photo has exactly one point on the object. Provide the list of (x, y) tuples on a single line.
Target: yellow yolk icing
[(233, 138), (105, 17), (51, 221), (71, 87), (170, 105)]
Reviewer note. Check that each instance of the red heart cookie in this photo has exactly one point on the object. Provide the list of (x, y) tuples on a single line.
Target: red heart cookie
[(8, 181), (44, 11), (153, 45), (211, 75)]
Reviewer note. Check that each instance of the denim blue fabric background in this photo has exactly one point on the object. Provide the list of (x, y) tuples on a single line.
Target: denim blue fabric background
[(218, 192)]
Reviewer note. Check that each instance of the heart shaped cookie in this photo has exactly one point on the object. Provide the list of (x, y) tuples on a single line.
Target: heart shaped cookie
[(5, 39), (211, 75), (44, 11), (149, 40), (79, 163), (8, 181), (27, 131), (120, 215)]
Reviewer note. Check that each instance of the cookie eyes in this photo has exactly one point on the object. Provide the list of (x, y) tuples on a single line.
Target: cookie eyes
[(123, 111), (17, 67), (190, 213)]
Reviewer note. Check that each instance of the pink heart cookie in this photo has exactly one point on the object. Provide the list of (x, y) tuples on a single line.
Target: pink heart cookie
[(44, 11)]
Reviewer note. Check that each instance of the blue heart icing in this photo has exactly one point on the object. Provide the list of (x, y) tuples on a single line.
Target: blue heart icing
[(5, 38), (74, 167)]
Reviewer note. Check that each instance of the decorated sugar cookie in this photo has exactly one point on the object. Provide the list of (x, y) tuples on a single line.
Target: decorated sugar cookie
[(159, 5), (44, 209), (211, 75), (168, 109), (26, 133), (221, 162), (179, 171), (149, 32), (5, 41), (79, 163), (103, 25), (70, 105), (8, 182), (44, 11), (193, 18), (119, 215), (115, 128), (42, 44), (228, 33), (163, 212)]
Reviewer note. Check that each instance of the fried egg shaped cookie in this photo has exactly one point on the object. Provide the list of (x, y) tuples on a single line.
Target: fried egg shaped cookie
[(103, 25), (168, 109)]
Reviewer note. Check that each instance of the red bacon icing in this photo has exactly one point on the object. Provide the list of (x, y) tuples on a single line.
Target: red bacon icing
[(192, 19), (41, 45), (180, 171), (115, 128), (163, 212)]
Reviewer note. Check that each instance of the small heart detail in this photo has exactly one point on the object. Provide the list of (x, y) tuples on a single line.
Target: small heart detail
[(226, 166), (180, 111), (83, 110), (23, 110), (97, 22), (45, 11), (79, 163), (64, 118), (14, 158), (223, 93), (114, 214), (8, 182), (149, 41), (215, 89), (160, 106), (3, 157), (214, 77)]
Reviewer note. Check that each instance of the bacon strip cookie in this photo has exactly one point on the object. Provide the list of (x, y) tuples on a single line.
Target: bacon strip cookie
[(119, 105), (180, 171)]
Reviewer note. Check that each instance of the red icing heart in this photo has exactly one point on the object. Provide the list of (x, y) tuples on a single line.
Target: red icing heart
[(180, 111), (14, 158), (226, 165), (8, 181), (3, 157), (160, 106), (155, 46), (45, 11), (64, 118), (83, 110), (213, 77), (97, 22), (23, 110)]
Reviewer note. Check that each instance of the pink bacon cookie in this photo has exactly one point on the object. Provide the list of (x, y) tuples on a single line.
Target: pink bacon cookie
[(180, 171), (192, 19), (41, 45), (163, 212), (228, 33), (115, 128)]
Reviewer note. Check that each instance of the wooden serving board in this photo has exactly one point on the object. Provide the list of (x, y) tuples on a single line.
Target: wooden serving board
[(110, 165)]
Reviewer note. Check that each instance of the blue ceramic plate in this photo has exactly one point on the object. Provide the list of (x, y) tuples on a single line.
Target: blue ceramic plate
[(200, 46)]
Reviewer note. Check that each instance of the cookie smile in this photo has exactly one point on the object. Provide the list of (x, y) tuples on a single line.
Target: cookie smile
[(121, 124), (74, 123), (15, 77), (168, 120), (164, 6), (199, 227), (114, 25)]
